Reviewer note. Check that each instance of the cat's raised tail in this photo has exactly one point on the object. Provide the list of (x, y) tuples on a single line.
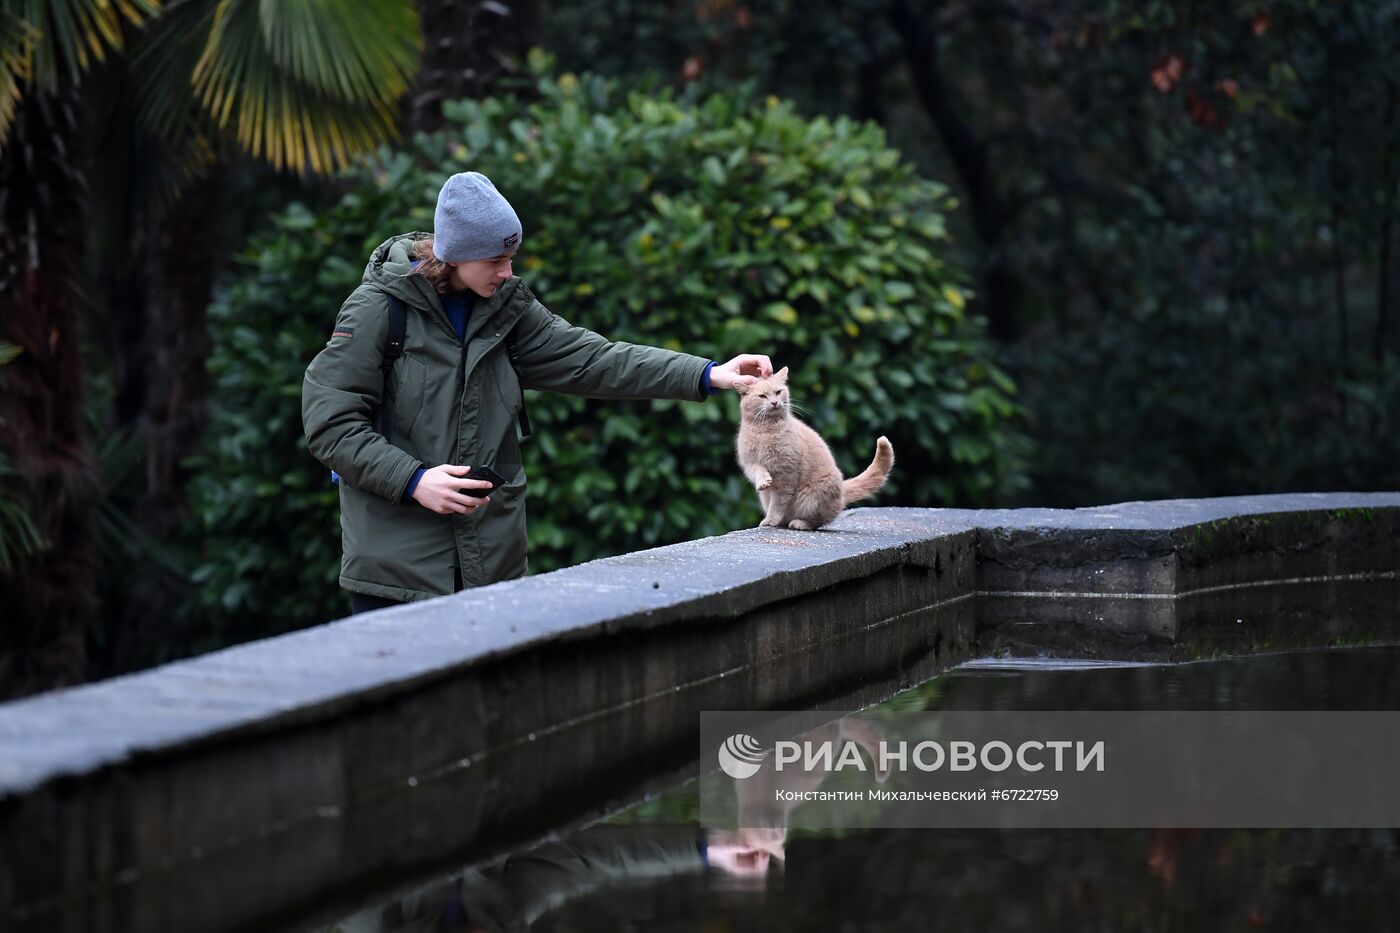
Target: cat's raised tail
[(872, 478)]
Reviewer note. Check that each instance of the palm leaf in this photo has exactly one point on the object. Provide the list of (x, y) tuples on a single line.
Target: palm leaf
[(308, 84), (357, 50), (17, 41), (75, 34), (162, 62), (300, 130)]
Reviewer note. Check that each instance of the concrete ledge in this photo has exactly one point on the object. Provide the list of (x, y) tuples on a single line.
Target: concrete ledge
[(230, 789), (1141, 578)]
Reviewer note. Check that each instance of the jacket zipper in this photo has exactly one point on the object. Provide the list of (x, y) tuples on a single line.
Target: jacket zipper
[(457, 563)]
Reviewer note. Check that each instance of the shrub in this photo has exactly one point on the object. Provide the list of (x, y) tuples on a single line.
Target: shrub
[(1199, 402), (716, 226)]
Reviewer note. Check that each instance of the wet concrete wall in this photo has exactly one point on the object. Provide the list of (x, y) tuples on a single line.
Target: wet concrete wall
[(248, 784)]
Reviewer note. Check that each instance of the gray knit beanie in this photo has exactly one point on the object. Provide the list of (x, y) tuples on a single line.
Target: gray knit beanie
[(473, 221)]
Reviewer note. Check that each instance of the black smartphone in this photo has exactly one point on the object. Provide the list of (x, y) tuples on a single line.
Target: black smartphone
[(486, 473)]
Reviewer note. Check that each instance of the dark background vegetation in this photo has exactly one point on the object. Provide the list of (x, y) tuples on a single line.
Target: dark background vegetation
[(1162, 266)]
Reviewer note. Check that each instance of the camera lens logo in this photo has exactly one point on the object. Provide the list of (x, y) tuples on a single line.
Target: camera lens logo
[(740, 756)]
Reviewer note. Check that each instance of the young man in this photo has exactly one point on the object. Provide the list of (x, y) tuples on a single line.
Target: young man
[(414, 523)]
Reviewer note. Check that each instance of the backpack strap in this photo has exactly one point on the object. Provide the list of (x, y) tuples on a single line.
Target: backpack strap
[(393, 349), (513, 354)]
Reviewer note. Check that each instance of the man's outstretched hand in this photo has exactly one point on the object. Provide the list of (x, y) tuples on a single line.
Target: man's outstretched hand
[(745, 369)]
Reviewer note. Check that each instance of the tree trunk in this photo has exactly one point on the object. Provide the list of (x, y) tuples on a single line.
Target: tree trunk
[(186, 255), (991, 212), (467, 48), (870, 86), (47, 604), (163, 354)]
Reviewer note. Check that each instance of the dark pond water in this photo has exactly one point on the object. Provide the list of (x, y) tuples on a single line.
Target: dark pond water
[(643, 871)]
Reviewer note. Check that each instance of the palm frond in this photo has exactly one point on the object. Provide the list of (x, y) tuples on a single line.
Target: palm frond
[(313, 87), (17, 41), (162, 62), (357, 50), (175, 167), (75, 34)]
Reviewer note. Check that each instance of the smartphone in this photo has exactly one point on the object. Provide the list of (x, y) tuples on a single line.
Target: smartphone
[(486, 473)]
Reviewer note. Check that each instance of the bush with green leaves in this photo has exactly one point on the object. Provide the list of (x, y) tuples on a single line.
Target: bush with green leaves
[(1112, 404), (718, 226)]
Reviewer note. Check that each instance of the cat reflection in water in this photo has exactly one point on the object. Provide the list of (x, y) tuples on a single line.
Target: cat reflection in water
[(789, 464)]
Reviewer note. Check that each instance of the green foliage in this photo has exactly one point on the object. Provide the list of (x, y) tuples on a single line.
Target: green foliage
[(716, 226), (1230, 333), (50, 42), (1193, 405), (1192, 208), (307, 85), (266, 512)]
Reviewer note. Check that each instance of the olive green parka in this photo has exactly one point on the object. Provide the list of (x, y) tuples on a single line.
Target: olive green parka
[(455, 402)]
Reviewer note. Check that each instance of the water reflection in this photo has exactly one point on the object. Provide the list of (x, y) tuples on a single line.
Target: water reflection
[(1339, 679), (514, 892), (764, 813), (653, 868), (1032, 880)]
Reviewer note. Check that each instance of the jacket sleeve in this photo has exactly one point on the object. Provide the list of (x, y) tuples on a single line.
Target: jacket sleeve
[(557, 356), (342, 391)]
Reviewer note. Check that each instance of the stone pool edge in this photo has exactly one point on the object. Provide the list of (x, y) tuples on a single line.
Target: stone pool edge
[(154, 778)]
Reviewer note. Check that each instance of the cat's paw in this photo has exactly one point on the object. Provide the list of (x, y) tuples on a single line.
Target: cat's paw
[(768, 523), (798, 524), (764, 485)]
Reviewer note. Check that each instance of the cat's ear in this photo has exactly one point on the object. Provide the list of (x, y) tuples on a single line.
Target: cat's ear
[(741, 388), (781, 375)]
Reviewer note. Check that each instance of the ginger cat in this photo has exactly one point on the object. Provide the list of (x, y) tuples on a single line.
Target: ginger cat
[(789, 464)]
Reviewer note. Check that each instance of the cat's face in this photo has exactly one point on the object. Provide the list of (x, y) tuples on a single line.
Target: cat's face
[(766, 398)]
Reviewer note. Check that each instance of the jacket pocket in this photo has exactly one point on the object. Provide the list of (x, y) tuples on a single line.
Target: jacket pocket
[(410, 380)]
